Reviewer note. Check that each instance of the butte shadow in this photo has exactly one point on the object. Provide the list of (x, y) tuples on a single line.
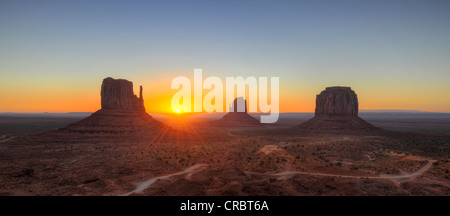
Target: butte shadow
[(336, 111)]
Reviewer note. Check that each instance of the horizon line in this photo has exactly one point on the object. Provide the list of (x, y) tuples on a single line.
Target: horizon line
[(364, 110)]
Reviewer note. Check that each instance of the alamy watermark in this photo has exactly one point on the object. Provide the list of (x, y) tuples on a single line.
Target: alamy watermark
[(213, 100)]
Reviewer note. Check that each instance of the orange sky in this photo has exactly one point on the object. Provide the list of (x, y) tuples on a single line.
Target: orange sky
[(54, 56), (34, 97)]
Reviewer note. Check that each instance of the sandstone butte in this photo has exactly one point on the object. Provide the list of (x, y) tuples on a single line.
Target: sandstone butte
[(117, 94), (336, 111), (237, 119), (122, 112)]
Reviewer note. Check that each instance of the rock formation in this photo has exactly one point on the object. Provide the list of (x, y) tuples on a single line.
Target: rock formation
[(336, 111), (121, 119), (237, 119), (118, 94), (121, 113), (337, 101), (240, 101)]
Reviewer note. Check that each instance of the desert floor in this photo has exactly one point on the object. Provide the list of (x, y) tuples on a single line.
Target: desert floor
[(199, 159)]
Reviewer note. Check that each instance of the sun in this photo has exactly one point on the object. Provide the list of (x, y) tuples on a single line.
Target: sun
[(178, 111)]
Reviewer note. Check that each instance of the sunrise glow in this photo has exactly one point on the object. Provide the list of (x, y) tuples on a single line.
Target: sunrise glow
[(399, 61)]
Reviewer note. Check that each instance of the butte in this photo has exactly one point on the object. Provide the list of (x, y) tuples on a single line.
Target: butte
[(336, 111), (237, 119), (122, 115)]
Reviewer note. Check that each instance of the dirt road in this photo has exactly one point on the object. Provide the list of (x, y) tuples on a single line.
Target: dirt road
[(384, 176), (141, 186)]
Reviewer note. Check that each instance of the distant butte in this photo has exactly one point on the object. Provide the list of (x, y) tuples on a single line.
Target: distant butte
[(336, 111), (237, 119)]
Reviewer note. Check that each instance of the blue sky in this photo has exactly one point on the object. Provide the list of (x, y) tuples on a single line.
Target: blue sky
[(387, 50)]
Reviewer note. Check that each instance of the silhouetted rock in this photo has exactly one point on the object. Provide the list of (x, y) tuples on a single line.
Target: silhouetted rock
[(237, 119), (336, 111), (337, 101), (122, 113), (240, 101), (118, 94)]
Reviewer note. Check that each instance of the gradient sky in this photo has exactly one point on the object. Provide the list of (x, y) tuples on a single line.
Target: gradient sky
[(394, 54)]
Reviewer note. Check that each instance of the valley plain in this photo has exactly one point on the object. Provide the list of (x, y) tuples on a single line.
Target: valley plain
[(198, 159)]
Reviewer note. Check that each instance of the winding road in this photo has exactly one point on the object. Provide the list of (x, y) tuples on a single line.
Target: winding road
[(419, 172), (141, 186)]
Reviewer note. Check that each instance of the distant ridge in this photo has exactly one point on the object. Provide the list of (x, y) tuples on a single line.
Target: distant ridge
[(46, 114), (393, 110), (213, 115)]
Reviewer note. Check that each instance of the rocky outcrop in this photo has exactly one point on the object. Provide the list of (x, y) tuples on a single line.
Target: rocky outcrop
[(336, 111), (118, 94), (237, 119), (337, 101)]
